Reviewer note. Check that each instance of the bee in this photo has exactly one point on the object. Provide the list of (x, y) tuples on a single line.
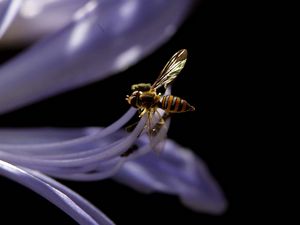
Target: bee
[(145, 98)]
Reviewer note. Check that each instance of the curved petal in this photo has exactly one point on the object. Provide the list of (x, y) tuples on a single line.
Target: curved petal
[(80, 154), (8, 11), (105, 38), (176, 171), (54, 140), (71, 203), (39, 18)]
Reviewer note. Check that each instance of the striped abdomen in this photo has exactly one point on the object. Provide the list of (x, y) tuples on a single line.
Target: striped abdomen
[(175, 104)]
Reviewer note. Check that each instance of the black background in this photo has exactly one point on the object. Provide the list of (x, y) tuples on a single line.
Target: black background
[(209, 82)]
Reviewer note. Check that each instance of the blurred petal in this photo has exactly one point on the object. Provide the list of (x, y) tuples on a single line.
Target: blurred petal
[(71, 203), (8, 11), (102, 39), (175, 171), (39, 18)]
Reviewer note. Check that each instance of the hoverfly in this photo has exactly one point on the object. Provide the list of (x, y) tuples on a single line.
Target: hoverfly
[(145, 98)]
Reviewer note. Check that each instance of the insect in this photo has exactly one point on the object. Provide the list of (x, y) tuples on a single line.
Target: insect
[(145, 98)]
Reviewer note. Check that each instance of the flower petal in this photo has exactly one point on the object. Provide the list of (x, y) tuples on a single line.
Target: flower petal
[(107, 38), (8, 11), (71, 203), (39, 18), (175, 171), (81, 154)]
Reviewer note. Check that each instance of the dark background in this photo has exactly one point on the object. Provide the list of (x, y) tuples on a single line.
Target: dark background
[(209, 81)]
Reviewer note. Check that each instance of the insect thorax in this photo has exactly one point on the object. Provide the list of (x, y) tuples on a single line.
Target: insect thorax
[(149, 99), (141, 87), (146, 99)]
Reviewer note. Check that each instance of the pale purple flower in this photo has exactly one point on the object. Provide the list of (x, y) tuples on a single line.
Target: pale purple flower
[(84, 42)]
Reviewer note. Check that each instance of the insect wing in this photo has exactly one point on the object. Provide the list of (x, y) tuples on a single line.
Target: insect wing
[(171, 69)]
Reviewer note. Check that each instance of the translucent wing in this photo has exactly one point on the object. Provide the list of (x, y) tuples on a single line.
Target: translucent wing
[(171, 69)]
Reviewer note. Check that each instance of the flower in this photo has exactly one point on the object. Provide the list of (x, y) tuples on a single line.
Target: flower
[(99, 39)]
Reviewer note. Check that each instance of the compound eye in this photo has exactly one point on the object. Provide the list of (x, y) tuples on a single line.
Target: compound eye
[(134, 99)]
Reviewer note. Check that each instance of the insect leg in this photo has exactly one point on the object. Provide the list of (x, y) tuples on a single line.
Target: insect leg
[(160, 127)]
